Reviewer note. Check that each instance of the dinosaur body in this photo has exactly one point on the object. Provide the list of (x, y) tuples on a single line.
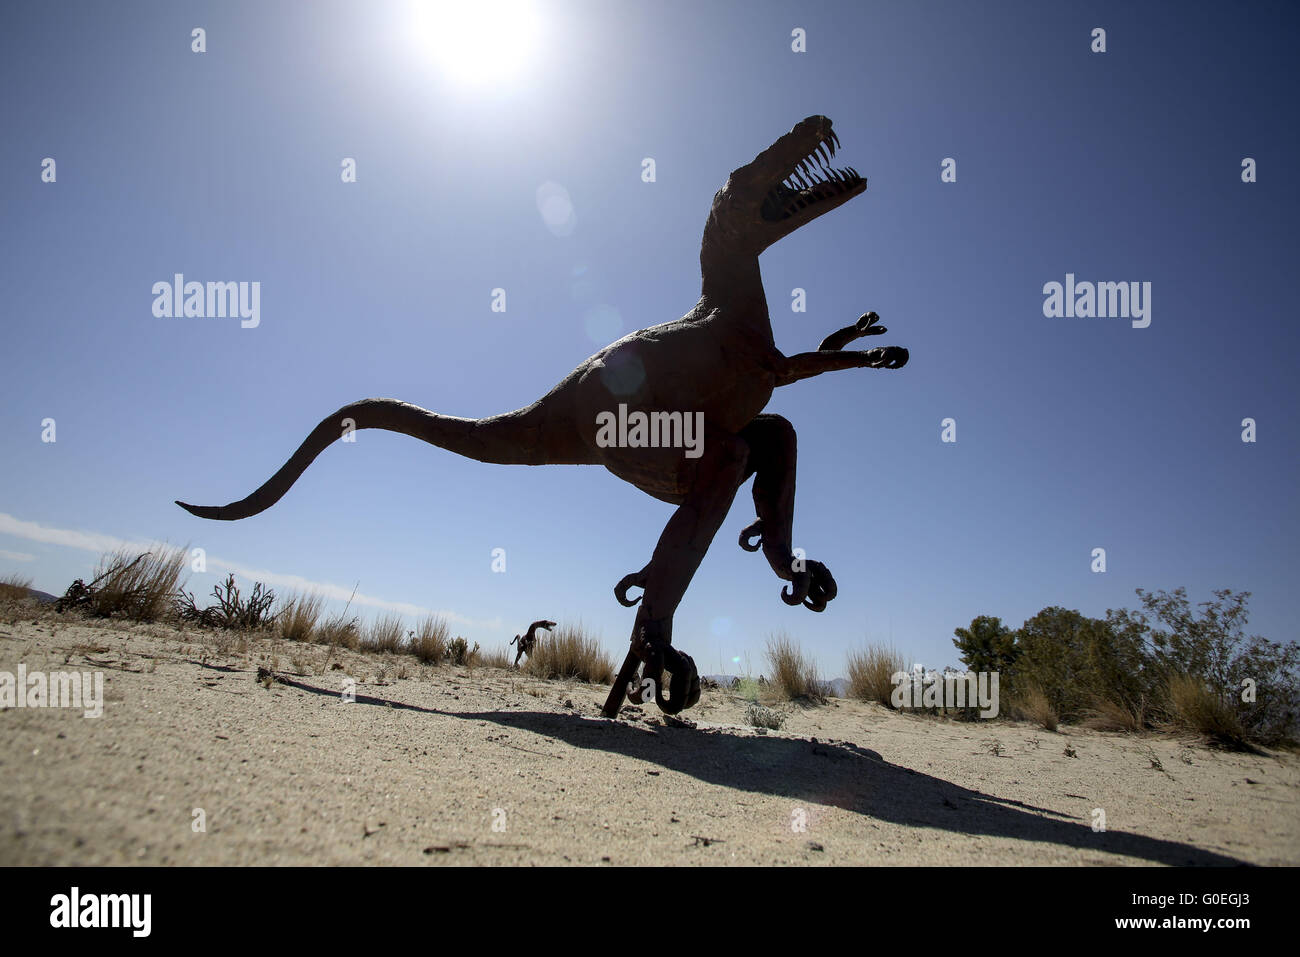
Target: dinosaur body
[(529, 639), (718, 363)]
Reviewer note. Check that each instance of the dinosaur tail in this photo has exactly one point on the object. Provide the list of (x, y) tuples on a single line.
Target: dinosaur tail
[(510, 439)]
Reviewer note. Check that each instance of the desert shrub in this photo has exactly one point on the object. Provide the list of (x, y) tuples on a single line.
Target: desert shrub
[(1078, 661), (761, 717), (871, 673), (460, 653), (297, 616), (1196, 667), (384, 634), (570, 652), (794, 676), (14, 586), (429, 640), (1256, 679), (232, 609), (140, 586), (747, 688), (989, 646)]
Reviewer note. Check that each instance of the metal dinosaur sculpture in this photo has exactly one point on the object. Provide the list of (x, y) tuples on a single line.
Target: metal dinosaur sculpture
[(716, 366), (529, 639)]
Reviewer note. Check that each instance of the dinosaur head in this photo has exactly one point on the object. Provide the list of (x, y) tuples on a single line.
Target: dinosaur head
[(787, 185)]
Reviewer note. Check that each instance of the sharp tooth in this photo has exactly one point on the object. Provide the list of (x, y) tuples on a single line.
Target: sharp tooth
[(830, 145), (835, 140), (821, 151)]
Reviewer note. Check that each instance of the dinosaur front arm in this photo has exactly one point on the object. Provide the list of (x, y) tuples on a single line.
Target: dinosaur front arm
[(805, 365)]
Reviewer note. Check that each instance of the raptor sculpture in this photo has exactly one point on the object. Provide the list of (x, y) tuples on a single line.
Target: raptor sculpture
[(527, 640), (716, 366)]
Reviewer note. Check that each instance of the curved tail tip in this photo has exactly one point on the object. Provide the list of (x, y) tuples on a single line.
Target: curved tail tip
[(202, 511)]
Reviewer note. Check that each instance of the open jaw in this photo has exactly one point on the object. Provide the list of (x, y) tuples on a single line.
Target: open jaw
[(812, 184)]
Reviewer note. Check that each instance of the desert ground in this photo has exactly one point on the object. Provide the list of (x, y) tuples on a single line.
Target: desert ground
[(446, 765)]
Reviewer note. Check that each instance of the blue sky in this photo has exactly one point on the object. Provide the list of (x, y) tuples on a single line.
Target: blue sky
[(1072, 434)]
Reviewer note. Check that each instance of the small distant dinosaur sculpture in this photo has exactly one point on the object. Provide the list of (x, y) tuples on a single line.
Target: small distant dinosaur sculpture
[(529, 639), (718, 364)]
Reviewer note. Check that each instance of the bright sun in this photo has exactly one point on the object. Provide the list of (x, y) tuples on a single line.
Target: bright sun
[(477, 41)]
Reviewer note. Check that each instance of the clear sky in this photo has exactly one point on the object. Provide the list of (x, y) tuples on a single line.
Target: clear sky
[(1072, 433)]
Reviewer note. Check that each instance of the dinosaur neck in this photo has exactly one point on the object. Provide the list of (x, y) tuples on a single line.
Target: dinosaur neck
[(733, 284)]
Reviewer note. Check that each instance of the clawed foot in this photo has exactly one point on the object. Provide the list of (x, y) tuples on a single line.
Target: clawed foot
[(634, 580), (813, 587), (684, 686)]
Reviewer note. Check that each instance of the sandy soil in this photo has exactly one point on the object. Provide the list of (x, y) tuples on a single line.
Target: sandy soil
[(449, 766)]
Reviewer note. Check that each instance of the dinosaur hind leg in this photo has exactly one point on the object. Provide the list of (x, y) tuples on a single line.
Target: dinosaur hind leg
[(719, 472), (772, 456)]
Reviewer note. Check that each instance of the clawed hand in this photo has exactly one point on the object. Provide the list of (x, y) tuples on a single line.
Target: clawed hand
[(866, 325), (886, 357)]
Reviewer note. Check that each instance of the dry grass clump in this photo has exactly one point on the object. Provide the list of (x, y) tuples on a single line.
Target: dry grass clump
[(1193, 707), (794, 676), (429, 641), (384, 634), (871, 673), (297, 616), (1110, 715), (140, 586), (570, 652), (497, 658), (340, 631), (14, 586), (1033, 705)]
